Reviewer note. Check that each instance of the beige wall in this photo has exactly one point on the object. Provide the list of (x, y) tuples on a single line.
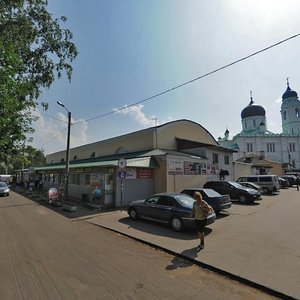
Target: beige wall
[(176, 183), (137, 141), (242, 169), (183, 129)]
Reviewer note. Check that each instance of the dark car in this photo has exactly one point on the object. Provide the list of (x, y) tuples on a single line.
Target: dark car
[(214, 199), (234, 190), (4, 189), (252, 185), (284, 183), (173, 209), (292, 179)]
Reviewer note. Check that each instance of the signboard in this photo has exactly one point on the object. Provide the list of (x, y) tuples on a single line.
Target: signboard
[(175, 167), (122, 174), (130, 173), (194, 168), (144, 173)]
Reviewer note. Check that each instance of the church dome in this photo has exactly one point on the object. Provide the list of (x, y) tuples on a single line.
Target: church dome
[(253, 110), (289, 93)]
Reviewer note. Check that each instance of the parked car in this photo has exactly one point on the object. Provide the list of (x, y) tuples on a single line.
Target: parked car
[(269, 183), (234, 190), (4, 189), (171, 208), (252, 185), (284, 183), (217, 201), (290, 178)]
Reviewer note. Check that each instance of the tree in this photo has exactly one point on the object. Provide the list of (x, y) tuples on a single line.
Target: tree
[(34, 51)]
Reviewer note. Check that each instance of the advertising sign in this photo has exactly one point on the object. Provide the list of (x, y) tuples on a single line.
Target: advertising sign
[(175, 167), (144, 173)]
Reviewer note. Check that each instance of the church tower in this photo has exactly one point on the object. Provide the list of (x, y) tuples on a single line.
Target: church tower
[(290, 112)]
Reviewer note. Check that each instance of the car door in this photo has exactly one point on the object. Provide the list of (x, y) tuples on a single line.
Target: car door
[(149, 207), (165, 207)]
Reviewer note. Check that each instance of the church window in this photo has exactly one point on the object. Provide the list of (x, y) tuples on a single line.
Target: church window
[(249, 147), (254, 123), (284, 115), (292, 147), (297, 112), (270, 147), (215, 158)]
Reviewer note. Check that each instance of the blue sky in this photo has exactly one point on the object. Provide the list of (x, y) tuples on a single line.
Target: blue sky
[(130, 50)]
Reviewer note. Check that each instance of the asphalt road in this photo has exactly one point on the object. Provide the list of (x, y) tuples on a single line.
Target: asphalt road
[(47, 255)]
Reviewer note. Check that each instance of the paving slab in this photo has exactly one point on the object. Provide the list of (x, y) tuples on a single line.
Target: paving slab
[(259, 243)]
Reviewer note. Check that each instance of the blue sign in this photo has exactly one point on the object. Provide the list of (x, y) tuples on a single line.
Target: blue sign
[(122, 174)]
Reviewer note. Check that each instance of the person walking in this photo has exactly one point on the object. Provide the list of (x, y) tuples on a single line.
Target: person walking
[(200, 212), (298, 182)]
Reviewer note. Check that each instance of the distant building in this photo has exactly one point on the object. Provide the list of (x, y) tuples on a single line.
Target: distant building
[(255, 139)]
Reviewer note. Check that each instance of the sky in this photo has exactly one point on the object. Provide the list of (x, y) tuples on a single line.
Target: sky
[(131, 50)]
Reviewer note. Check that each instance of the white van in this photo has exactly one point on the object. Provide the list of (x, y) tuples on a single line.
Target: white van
[(269, 183), (5, 178)]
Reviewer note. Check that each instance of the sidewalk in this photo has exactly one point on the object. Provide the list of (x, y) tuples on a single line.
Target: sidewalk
[(258, 264)]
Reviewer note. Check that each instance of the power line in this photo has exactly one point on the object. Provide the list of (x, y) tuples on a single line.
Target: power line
[(53, 138), (178, 86), (190, 81)]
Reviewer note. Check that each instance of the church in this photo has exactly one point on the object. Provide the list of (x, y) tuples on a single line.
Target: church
[(256, 140)]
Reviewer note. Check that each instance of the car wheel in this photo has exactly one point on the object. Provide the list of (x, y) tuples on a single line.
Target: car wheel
[(133, 214), (243, 199), (176, 224)]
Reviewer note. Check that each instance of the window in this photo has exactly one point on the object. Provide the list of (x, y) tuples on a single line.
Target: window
[(93, 154), (74, 179), (226, 159), (297, 112), (151, 200), (87, 179), (292, 147), (284, 115), (254, 123), (249, 147), (165, 201), (246, 125), (270, 147), (215, 158)]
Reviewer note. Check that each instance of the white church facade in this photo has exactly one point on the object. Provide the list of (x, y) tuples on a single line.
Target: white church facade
[(255, 139)]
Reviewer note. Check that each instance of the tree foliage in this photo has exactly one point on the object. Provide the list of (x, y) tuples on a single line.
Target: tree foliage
[(34, 51)]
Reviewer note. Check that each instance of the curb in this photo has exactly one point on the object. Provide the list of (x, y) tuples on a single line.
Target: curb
[(221, 272)]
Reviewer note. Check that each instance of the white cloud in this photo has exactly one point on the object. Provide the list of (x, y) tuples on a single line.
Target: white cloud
[(51, 133), (136, 113)]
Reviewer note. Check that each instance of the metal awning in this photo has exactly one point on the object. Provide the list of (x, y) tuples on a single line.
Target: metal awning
[(140, 162)]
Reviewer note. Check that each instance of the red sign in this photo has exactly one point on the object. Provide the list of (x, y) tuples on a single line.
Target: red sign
[(144, 173)]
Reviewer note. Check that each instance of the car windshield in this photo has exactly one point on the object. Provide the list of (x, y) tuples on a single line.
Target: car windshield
[(185, 200), (3, 184), (211, 193)]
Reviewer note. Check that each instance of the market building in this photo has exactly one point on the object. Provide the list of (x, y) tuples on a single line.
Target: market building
[(165, 158)]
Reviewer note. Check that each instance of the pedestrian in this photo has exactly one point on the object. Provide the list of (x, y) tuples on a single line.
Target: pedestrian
[(97, 194), (297, 182), (200, 212)]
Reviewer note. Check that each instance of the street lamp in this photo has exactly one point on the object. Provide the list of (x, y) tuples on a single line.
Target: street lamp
[(68, 151)]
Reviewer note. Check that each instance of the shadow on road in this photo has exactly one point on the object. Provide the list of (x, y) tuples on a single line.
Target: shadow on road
[(159, 229), (180, 262)]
